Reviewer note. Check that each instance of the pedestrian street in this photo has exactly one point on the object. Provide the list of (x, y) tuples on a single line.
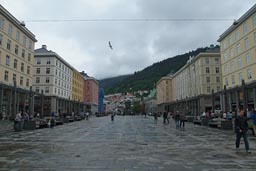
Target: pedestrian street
[(129, 143)]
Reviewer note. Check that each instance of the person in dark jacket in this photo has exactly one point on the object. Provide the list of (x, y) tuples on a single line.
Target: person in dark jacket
[(241, 128)]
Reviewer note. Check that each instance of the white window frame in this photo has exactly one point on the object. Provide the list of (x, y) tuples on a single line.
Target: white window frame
[(249, 74), (248, 58)]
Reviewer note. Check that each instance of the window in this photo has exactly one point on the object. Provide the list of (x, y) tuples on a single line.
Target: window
[(233, 79), (47, 90), (47, 79), (17, 35), (56, 72), (218, 88), (28, 69), (38, 61), (208, 89), (56, 81), (231, 52), (254, 21), (225, 68), (37, 70), (225, 56), (246, 43), (6, 76), (232, 66), (207, 61), (21, 80), (37, 89), (237, 35), (16, 49), (248, 58), (224, 45), (217, 61), (47, 70), (29, 57), (14, 78), (240, 77), (10, 30), (238, 49), (48, 61), (22, 67), (217, 70), (245, 28), (24, 40), (8, 45), (230, 40), (1, 23), (37, 80), (23, 53), (15, 63), (239, 63), (7, 60), (217, 79), (249, 74), (55, 91), (1, 40), (56, 62), (207, 70), (226, 81), (208, 80), (30, 44), (27, 83)]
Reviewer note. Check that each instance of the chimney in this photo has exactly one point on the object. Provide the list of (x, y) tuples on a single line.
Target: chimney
[(44, 47)]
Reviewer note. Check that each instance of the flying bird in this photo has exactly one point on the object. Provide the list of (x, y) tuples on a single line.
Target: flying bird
[(110, 46)]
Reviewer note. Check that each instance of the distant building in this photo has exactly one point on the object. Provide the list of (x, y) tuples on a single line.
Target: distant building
[(150, 102), (190, 90), (164, 95), (16, 64), (91, 93), (53, 78), (101, 100), (238, 62)]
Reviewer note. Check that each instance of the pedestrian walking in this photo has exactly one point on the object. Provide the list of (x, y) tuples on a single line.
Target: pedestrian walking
[(182, 120), (177, 119), (112, 116), (253, 117), (168, 117), (241, 128), (155, 117), (165, 117)]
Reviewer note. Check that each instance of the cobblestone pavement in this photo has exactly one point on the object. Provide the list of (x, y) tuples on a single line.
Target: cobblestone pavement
[(130, 143)]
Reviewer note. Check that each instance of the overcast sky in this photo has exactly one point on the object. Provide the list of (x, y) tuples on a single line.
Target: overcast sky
[(136, 45)]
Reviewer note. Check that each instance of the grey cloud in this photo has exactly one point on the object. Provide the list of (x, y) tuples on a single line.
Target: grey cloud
[(136, 44)]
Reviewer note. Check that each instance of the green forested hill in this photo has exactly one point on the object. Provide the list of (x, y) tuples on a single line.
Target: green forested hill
[(146, 79)]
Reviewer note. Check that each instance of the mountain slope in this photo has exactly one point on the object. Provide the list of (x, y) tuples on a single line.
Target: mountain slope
[(146, 79)]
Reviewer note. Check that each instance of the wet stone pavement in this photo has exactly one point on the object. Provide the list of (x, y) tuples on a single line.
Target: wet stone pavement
[(130, 143)]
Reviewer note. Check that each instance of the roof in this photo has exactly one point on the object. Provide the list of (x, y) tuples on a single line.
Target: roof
[(239, 22), (17, 23), (43, 52)]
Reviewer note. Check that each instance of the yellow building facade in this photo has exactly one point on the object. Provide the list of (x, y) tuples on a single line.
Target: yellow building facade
[(77, 86), (238, 61), (16, 51), (238, 51), (164, 88), (16, 65)]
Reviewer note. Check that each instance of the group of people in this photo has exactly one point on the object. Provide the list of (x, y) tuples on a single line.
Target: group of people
[(22, 116), (178, 117)]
